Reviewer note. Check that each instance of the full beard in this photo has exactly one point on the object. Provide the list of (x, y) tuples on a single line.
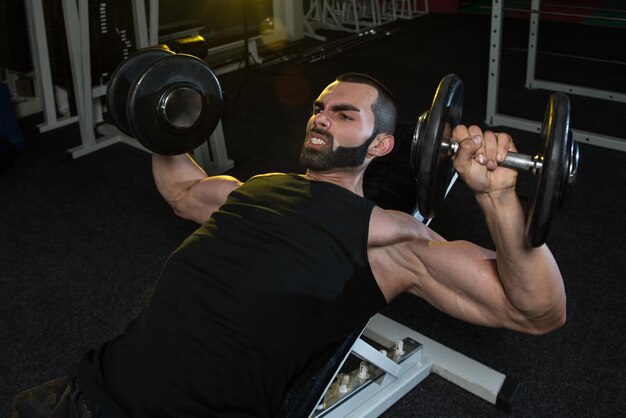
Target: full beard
[(328, 159)]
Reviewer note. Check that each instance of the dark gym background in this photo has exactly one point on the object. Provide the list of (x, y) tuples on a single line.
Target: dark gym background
[(82, 241)]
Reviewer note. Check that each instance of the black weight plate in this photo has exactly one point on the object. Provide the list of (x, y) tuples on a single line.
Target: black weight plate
[(555, 146), (417, 135), (432, 165), (126, 75), (145, 98), (571, 171)]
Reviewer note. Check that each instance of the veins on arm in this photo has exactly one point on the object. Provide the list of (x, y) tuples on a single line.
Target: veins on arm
[(459, 278), (463, 280)]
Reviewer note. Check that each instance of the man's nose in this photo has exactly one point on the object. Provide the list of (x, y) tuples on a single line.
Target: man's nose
[(321, 119)]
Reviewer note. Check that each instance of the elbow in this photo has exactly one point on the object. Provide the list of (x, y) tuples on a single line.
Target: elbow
[(181, 213), (549, 326), (181, 209), (178, 207), (545, 310), (559, 320), (551, 320), (185, 213)]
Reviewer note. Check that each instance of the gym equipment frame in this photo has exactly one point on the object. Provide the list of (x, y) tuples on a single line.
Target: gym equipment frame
[(211, 156), (346, 16), (495, 118), (403, 367)]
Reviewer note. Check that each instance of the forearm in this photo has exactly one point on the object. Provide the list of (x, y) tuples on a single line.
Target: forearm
[(530, 276)]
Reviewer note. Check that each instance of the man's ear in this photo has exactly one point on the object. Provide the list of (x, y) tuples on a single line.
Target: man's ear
[(381, 145)]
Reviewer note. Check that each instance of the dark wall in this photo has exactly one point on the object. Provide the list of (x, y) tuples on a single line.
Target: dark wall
[(222, 20), (14, 51)]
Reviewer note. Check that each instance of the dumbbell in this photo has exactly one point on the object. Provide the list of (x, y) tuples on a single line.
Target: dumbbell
[(554, 165), (170, 102)]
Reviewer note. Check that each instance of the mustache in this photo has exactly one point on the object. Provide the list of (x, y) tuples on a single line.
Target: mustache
[(324, 133)]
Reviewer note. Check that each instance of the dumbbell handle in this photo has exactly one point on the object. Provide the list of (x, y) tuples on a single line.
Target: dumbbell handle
[(514, 160)]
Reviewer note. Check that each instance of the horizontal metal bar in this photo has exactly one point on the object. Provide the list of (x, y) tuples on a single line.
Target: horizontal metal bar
[(578, 57), (60, 122), (573, 6), (583, 137), (545, 12), (520, 162), (578, 90)]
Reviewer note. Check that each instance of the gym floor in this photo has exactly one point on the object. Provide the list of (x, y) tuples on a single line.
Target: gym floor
[(83, 240)]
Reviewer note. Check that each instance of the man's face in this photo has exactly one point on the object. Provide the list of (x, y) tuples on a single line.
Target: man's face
[(341, 127)]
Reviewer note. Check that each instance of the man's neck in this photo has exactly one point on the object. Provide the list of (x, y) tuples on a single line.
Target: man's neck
[(348, 178)]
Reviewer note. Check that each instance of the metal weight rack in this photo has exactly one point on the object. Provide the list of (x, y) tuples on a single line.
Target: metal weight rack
[(495, 118)]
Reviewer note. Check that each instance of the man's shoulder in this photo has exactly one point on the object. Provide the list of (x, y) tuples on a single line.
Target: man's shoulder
[(279, 179), (257, 176), (277, 176), (389, 227)]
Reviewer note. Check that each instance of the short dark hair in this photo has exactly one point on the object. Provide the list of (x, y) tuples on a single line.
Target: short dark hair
[(384, 108)]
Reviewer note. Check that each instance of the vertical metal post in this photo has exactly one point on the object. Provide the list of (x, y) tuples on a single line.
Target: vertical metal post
[(141, 27), (494, 60), (77, 38), (43, 84), (83, 19), (154, 22), (533, 37), (41, 59), (289, 17)]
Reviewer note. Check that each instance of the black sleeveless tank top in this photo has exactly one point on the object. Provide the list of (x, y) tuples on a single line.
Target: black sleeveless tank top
[(279, 273)]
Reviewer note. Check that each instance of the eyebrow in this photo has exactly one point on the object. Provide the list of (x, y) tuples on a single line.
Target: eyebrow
[(337, 107)]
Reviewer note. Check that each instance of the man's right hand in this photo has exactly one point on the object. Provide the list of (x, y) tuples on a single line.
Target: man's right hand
[(478, 157)]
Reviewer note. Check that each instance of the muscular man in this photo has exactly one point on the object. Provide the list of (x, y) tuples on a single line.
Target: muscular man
[(284, 265)]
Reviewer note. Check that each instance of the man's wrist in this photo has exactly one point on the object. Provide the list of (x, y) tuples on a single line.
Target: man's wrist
[(504, 216), (497, 198), (502, 207)]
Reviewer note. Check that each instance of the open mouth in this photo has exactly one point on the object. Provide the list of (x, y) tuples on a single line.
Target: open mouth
[(317, 139)]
